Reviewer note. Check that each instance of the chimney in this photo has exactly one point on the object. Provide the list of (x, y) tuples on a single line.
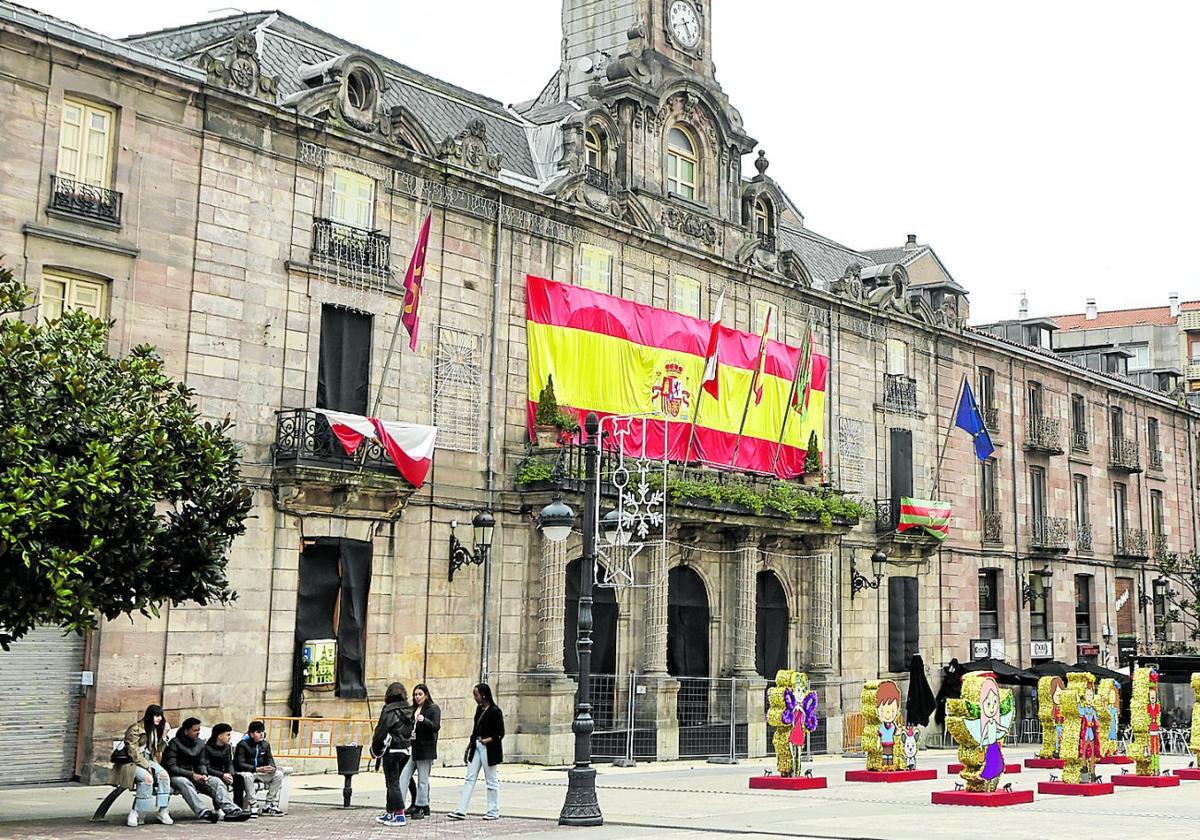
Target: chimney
[(1023, 312), (1090, 314), (1174, 298), (911, 244)]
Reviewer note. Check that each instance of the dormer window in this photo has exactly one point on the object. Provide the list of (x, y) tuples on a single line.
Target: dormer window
[(360, 91), (682, 163), (762, 217), (593, 143)]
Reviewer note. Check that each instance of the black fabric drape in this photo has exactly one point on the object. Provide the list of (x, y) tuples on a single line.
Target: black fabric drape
[(771, 635), (687, 624), (352, 619), (920, 696), (904, 622), (604, 626), (344, 368), (951, 687), (316, 602)]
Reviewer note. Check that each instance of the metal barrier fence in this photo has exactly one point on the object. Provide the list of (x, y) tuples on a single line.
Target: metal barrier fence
[(304, 737)]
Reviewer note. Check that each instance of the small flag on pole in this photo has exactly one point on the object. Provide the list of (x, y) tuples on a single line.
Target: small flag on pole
[(760, 372), (711, 381), (803, 374), (413, 281), (930, 516), (970, 420)]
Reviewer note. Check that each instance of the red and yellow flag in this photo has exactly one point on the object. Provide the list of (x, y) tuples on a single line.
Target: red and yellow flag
[(760, 370), (617, 357), (413, 281)]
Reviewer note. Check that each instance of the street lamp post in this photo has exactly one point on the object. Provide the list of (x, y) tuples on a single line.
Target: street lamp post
[(581, 807)]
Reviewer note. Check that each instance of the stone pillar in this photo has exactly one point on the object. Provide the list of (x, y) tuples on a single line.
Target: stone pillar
[(552, 606), (745, 611), (657, 709), (655, 625)]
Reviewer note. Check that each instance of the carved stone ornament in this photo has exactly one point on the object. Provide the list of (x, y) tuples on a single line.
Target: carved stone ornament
[(689, 224), (849, 285), (470, 149), (237, 68)]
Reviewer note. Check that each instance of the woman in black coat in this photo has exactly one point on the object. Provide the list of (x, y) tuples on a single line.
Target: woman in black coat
[(428, 718), (485, 751), (393, 735)]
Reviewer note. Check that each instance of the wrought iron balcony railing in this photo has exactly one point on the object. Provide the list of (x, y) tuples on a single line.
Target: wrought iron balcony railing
[(1079, 440), (887, 516), (365, 249), (1130, 543), (1048, 533), (993, 527), (900, 392), (1043, 434), (1156, 459), (1123, 455), (597, 178), (1083, 538), (767, 242), (1161, 549), (303, 439), (991, 419), (85, 201)]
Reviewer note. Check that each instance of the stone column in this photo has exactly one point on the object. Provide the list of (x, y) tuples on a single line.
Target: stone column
[(745, 614), (552, 606), (655, 620)]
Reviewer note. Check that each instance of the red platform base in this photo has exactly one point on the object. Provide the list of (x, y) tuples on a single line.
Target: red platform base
[(1115, 759), (1067, 789), (890, 775), (955, 769), (1044, 763), (787, 783), (999, 799), (1146, 781), (1191, 774)]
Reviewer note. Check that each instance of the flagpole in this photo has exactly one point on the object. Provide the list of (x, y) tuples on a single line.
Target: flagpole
[(937, 470), (687, 458), (742, 426), (787, 411)]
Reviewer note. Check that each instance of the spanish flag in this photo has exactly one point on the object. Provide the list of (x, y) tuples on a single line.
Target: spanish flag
[(616, 357)]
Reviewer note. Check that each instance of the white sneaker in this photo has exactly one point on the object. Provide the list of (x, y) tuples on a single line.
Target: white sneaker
[(164, 817), (132, 819)]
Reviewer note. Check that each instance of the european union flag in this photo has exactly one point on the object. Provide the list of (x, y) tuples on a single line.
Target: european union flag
[(970, 420)]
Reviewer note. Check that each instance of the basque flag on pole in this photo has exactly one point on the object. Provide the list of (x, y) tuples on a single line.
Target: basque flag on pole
[(970, 419)]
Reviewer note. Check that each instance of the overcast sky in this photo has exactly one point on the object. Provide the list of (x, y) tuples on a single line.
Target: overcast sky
[(1050, 147)]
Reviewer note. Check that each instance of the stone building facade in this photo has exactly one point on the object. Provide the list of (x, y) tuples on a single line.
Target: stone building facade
[(244, 193)]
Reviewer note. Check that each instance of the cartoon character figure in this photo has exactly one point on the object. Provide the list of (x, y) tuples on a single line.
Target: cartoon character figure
[(781, 700), (803, 715), (1050, 714), (1154, 711), (910, 741), (1108, 714), (1194, 742), (978, 721), (1144, 714), (1056, 689), (887, 707), (1089, 730)]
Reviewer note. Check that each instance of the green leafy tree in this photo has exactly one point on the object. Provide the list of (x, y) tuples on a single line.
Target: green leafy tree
[(115, 497), (1183, 591)]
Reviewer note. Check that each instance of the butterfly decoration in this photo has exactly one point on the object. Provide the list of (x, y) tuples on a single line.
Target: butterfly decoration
[(789, 707), (809, 707)]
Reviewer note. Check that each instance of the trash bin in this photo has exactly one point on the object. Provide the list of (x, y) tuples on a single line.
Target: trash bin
[(349, 757)]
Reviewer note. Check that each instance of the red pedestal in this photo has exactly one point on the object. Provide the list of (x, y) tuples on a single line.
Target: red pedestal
[(998, 799), (890, 775), (1146, 781), (955, 769), (1191, 774), (1115, 759), (1044, 763), (1067, 789), (785, 783)]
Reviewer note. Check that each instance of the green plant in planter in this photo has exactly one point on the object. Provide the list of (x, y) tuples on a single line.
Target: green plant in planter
[(812, 458), (533, 470), (550, 414)]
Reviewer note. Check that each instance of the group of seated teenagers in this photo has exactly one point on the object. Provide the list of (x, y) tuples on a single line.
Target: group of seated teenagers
[(193, 767)]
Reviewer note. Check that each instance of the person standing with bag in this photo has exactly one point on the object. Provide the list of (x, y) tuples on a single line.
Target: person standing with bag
[(428, 718), (393, 735), (483, 752)]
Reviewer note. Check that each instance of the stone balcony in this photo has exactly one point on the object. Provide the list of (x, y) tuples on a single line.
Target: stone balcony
[(1130, 546), (1043, 434), (1123, 455), (1048, 535), (368, 250), (84, 202)]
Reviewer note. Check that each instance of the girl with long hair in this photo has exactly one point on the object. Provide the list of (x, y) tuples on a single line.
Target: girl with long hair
[(393, 735), (484, 752), (428, 719), (137, 766)]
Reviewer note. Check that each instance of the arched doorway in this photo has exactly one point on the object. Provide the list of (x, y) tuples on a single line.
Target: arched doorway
[(604, 625), (688, 620), (771, 635)]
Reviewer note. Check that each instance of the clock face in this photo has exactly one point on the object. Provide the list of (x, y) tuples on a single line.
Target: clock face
[(684, 23)]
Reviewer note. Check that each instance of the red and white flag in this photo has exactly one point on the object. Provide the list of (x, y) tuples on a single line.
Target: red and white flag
[(409, 445), (711, 380)]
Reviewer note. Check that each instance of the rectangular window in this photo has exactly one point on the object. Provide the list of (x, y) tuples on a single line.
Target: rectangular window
[(761, 309), (1194, 351), (989, 604), (331, 604), (1116, 422), (897, 357), (904, 622), (1156, 513), (685, 295), (85, 143), (1160, 611), (1078, 413), (1037, 493), (987, 388), (62, 292), (352, 198), (344, 364), (1119, 511), (1083, 608), (987, 490), (1079, 488), (1140, 360), (1152, 433), (595, 268), (1035, 399), (1039, 621)]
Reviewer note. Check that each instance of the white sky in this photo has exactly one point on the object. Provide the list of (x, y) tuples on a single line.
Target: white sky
[(1042, 146)]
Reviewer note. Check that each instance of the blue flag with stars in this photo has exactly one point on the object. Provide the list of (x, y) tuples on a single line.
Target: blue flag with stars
[(970, 420)]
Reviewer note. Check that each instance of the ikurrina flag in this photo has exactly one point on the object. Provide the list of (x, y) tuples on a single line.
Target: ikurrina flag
[(408, 445), (617, 357), (925, 515)]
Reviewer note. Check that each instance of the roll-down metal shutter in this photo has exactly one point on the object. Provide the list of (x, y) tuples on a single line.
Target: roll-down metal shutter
[(39, 707)]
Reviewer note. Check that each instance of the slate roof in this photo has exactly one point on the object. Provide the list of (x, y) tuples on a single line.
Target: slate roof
[(895, 255), (1157, 316), (287, 44), (826, 260)]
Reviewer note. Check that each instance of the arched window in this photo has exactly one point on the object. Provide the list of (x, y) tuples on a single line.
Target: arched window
[(762, 216), (771, 635), (682, 163), (593, 143), (360, 90)]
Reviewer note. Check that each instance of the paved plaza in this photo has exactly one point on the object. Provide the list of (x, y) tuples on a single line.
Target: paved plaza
[(677, 799)]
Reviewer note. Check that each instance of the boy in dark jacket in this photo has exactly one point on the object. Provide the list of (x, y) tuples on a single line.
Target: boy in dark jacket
[(253, 762), (393, 734), (185, 760)]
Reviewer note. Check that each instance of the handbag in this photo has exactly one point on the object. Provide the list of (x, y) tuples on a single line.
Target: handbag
[(120, 756)]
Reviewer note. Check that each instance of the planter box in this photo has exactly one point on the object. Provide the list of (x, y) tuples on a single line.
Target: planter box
[(890, 775), (955, 769), (1067, 789), (1146, 781), (787, 783), (1044, 763), (996, 799)]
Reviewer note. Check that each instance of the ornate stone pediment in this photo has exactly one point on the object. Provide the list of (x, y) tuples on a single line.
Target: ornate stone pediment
[(849, 285), (470, 149), (794, 269), (237, 68), (689, 224), (347, 90)]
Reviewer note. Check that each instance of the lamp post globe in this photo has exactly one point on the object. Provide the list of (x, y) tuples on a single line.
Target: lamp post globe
[(556, 520), (484, 525), (879, 564)]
